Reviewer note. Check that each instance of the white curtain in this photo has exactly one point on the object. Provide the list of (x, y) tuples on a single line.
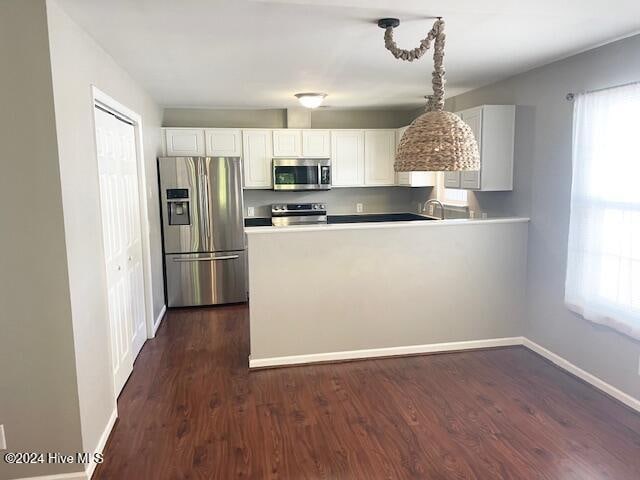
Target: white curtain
[(603, 266)]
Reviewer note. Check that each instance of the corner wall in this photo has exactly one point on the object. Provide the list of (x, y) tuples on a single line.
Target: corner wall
[(542, 191), (77, 63), (38, 396)]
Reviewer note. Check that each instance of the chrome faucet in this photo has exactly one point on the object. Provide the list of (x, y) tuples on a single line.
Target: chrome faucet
[(437, 202)]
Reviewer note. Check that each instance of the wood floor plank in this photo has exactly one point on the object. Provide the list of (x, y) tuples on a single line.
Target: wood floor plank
[(192, 410)]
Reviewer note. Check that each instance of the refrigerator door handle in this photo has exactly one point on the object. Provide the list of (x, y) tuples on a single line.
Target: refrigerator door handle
[(206, 199), (206, 259)]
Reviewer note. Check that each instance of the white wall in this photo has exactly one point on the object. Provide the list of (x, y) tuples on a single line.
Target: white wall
[(339, 201), (38, 396), (542, 191), (77, 63), (277, 118), (396, 286)]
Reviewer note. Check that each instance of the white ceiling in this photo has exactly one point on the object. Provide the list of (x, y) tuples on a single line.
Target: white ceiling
[(258, 53)]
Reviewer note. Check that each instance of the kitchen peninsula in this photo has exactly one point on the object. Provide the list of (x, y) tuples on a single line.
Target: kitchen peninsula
[(343, 291)]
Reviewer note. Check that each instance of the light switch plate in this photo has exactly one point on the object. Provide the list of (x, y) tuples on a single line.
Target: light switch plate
[(3, 440), (251, 211), (359, 208)]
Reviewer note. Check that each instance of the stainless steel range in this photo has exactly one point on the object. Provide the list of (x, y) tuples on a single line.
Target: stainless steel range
[(283, 214)]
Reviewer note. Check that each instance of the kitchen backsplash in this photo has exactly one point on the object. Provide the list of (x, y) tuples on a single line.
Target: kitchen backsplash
[(341, 200)]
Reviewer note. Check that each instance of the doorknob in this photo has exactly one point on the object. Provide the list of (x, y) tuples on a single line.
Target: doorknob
[(119, 267)]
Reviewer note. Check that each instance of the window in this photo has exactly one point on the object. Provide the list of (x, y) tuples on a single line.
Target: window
[(603, 264), (451, 196)]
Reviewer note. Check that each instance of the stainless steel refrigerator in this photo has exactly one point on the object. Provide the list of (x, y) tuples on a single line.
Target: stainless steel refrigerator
[(203, 230)]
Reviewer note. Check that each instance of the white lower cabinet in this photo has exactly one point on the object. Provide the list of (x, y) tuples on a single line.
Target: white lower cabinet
[(379, 155), (257, 152), (347, 158)]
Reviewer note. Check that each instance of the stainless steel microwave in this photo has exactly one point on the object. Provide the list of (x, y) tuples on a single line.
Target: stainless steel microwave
[(301, 174)]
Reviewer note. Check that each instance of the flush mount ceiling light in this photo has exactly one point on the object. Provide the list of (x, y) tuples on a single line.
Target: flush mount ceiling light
[(436, 140), (310, 99)]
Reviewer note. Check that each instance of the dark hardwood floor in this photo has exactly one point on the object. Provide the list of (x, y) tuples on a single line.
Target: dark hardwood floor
[(191, 410)]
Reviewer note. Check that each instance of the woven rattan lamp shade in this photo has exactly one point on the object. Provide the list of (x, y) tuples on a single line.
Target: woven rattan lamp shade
[(437, 141)]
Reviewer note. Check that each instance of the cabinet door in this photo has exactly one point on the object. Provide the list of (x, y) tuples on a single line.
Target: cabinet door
[(256, 151), (452, 179), (184, 142), (379, 155), (316, 143), (223, 142), (287, 143), (473, 118), (470, 179), (347, 158)]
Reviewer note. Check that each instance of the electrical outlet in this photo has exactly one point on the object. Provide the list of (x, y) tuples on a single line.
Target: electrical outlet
[(431, 209), (359, 207), (3, 440), (251, 211)]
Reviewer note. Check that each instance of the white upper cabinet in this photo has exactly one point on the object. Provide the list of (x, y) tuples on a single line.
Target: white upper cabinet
[(452, 179), (257, 150), (184, 142), (413, 179), (316, 143), (223, 142), (347, 158), (287, 142), (379, 155), (494, 129)]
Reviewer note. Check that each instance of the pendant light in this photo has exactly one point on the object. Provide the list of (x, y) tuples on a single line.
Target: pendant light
[(436, 140)]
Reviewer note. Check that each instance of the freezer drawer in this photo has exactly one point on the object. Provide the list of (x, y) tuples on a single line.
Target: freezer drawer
[(206, 278)]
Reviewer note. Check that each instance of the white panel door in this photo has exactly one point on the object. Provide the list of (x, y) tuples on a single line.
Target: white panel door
[(471, 179), (347, 158), (257, 151), (184, 142), (316, 143), (287, 143), (119, 202), (223, 142), (379, 155)]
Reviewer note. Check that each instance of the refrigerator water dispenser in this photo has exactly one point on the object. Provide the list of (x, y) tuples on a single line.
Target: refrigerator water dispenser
[(178, 206)]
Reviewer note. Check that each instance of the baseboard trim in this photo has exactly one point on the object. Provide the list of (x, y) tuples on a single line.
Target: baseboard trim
[(91, 467), (59, 476), (383, 352), (625, 398), (591, 379), (159, 318)]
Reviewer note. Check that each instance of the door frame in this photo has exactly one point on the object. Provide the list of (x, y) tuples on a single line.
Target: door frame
[(101, 98)]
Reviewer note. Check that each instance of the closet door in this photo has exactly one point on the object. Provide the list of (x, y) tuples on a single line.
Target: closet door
[(119, 203)]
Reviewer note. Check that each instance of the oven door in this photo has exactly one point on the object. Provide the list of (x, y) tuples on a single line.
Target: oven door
[(300, 174)]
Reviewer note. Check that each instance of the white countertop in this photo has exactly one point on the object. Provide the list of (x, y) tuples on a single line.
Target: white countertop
[(378, 225)]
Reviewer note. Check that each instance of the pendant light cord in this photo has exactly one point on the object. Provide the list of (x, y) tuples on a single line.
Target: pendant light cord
[(436, 101)]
